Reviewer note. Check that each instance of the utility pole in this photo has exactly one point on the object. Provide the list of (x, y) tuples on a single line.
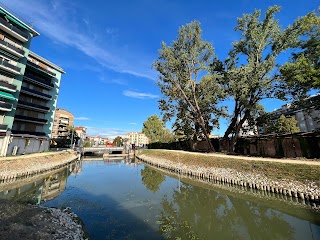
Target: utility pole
[(71, 144)]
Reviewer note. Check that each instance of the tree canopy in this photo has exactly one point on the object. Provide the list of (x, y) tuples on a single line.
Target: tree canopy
[(190, 95), (247, 75), (155, 130), (286, 125)]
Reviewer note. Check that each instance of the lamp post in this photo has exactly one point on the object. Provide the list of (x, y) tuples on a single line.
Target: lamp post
[(71, 144)]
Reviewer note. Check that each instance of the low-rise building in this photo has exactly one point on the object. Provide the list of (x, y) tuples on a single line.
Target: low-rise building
[(137, 138), (81, 132)]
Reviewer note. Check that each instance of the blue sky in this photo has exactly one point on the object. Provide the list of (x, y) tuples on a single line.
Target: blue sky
[(107, 48)]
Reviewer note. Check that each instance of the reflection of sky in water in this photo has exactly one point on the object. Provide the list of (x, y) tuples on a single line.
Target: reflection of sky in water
[(114, 202)]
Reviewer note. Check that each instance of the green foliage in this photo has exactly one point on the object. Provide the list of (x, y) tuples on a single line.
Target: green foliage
[(118, 141), (155, 130), (247, 74), (190, 93), (86, 144), (152, 179), (286, 125), (302, 73)]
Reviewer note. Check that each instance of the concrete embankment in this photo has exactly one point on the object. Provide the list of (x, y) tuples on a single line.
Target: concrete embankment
[(16, 167), (294, 179)]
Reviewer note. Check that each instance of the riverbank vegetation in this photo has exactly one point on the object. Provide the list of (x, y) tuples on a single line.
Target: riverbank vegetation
[(195, 83), (271, 169)]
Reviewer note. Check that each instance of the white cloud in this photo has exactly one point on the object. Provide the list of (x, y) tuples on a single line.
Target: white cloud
[(81, 118), (139, 95), (58, 21), (106, 132)]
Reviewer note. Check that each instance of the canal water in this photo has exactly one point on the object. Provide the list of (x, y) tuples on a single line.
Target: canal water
[(128, 200)]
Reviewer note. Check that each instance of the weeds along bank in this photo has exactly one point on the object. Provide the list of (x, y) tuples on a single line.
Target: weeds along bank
[(297, 180), (12, 168)]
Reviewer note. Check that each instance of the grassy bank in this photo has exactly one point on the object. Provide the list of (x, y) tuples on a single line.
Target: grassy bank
[(271, 169)]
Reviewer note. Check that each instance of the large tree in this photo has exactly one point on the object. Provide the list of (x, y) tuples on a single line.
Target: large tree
[(155, 130), (286, 125), (247, 74), (302, 72), (190, 95)]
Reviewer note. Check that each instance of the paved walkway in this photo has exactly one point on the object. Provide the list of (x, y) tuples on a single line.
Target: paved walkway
[(315, 162)]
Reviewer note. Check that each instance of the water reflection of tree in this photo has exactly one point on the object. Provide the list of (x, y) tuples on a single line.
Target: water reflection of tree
[(197, 213), (151, 178)]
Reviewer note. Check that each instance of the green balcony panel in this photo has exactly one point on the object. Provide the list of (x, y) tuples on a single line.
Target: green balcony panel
[(7, 95)]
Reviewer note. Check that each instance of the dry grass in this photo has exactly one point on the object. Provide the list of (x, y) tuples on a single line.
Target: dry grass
[(274, 170)]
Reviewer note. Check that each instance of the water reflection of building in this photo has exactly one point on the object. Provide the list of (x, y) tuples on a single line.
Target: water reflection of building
[(54, 185), (35, 191)]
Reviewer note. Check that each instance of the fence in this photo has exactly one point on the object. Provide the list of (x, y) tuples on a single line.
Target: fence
[(285, 145)]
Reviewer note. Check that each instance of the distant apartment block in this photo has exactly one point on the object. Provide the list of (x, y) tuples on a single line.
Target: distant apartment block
[(81, 132), (308, 119), (29, 86), (62, 120), (137, 138)]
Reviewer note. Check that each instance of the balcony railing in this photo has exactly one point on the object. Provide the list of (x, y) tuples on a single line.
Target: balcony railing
[(62, 130), (36, 80), (30, 119), (5, 64), (41, 69), (33, 106), (14, 29), (28, 132), (3, 127), (35, 93), (5, 106), (7, 86), (13, 48)]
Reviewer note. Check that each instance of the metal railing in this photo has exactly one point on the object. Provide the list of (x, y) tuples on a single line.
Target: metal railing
[(35, 92), (33, 105), (8, 85), (5, 63), (13, 28), (31, 119), (41, 69), (14, 48), (5, 105), (34, 79), (28, 132)]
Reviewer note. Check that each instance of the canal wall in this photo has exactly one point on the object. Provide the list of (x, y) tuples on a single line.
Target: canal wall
[(12, 168), (306, 192)]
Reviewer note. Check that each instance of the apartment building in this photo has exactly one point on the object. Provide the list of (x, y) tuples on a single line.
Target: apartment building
[(308, 118), (137, 138), (62, 120), (29, 86), (81, 132)]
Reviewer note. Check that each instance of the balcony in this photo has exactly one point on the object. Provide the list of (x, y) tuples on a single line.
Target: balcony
[(13, 31), (33, 106), (3, 127), (38, 81), (35, 93), (11, 49), (5, 107), (41, 69), (28, 133), (30, 119), (5, 65), (62, 130), (4, 85)]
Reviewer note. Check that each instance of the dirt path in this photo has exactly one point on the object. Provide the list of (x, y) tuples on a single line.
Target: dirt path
[(280, 160), (17, 166)]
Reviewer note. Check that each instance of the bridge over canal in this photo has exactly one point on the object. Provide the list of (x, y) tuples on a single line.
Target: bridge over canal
[(100, 150)]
